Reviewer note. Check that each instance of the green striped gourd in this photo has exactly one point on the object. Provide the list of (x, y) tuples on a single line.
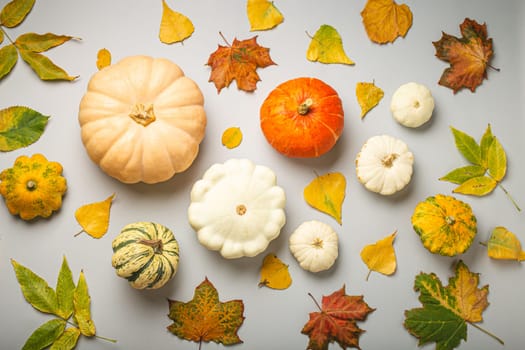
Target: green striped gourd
[(146, 254)]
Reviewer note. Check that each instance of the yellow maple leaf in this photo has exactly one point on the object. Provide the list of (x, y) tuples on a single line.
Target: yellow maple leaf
[(504, 245), (471, 300), (174, 26), (231, 137), (274, 273), (385, 20), (326, 193), (368, 96), (380, 256), (103, 58), (327, 47), (94, 217), (263, 15)]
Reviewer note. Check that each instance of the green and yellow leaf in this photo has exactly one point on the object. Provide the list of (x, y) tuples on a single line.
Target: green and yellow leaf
[(263, 15), (504, 245), (496, 160), (467, 146), (326, 193), (14, 12), (64, 291), (326, 46), (477, 186), (460, 175), (20, 127), (45, 335), (40, 42), (67, 340), (44, 67), (82, 307), (8, 59), (484, 144)]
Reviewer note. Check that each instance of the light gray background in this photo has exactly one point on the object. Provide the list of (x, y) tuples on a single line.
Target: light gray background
[(138, 319)]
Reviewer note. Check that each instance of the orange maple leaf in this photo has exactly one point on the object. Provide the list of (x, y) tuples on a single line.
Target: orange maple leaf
[(468, 56), (336, 321), (205, 318), (238, 62)]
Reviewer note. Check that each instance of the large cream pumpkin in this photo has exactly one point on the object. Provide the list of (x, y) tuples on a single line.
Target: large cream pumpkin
[(142, 119)]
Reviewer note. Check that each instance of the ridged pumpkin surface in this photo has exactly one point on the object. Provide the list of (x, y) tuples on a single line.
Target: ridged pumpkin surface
[(33, 187), (445, 225), (146, 254), (302, 118)]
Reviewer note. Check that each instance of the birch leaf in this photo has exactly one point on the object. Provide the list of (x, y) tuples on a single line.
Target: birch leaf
[(19, 127), (44, 67), (35, 289), (103, 58), (14, 12), (8, 59), (327, 47), (326, 193), (496, 160), (232, 137), (368, 96), (263, 15), (45, 335), (274, 273), (380, 256), (64, 291), (94, 217), (174, 26), (477, 186), (467, 146), (504, 245), (67, 340), (82, 307)]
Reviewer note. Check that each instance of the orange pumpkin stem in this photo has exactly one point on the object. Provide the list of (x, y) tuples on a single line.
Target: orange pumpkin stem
[(304, 107), (142, 114), (156, 244)]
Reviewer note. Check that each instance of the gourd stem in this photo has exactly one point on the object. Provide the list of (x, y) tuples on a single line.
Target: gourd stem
[(156, 244), (488, 333), (142, 114), (315, 301), (509, 196), (31, 185), (304, 107)]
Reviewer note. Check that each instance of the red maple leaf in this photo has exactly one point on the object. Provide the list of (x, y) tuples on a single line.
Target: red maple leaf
[(238, 61), (468, 56), (336, 321)]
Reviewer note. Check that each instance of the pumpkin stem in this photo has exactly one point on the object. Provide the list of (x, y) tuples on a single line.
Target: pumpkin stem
[(450, 220), (317, 243), (388, 161), (31, 185), (304, 107), (241, 209), (156, 244), (142, 114)]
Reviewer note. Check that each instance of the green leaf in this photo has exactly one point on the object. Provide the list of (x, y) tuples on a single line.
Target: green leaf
[(463, 174), (82, 305), (40, 42), (67, 340), (44, 67), (8, 59), (477, 186), (497, 160), (485, 143), (436, 324), (467, 146), (64, 291), (20, 127), (45, 335), (15, 12), (35, 290)]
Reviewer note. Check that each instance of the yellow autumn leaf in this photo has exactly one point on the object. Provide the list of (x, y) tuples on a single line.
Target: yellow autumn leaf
[(263, 15), (94, 217), (380, 256), (327, 47), (504, 245), (103, 58), (385, 20), (174, 26), (368, 96), (327, 193), (232, 137), (274, 273)]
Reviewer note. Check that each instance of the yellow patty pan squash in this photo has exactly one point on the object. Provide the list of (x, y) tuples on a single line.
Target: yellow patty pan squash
[(237, 208), (33, 187), (446, 225), (142, 119)]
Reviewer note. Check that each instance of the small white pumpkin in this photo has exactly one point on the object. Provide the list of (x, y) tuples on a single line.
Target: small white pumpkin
[(314, 245), (384, 164), (412, 105), (237, 208)]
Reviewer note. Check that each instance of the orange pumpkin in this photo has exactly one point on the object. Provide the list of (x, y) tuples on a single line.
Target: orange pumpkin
[(302, 118)]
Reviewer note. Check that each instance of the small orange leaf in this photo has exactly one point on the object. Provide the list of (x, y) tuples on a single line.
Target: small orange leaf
[(274, 273), (232, 137), (103, 58), (94, 217), (380, 256), (385, 20)]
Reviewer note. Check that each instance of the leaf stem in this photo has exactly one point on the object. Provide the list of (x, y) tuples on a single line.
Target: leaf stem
[(509, 196), (224, 38), (368, 274), (315, 301), (105, 338), (499, 340), (78, 233)]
